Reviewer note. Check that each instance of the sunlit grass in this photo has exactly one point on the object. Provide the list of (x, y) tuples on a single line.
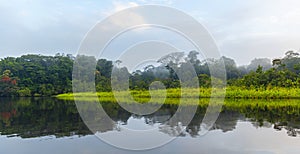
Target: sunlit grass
[(236, 98), (231, 92), (285, 105)]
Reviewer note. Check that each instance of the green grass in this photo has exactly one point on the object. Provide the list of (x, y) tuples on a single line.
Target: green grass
[(291, 106), (231, 92), (277, 99)]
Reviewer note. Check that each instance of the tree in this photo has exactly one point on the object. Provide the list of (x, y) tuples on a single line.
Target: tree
[(291, 54), (172, 62), (291, 60), (105, 67), (276, 62), (265, 63), (192, 58), (216, 65), (8, 85)]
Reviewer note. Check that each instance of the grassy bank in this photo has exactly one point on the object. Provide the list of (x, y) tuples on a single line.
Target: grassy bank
[(259, 105), (231, 92)]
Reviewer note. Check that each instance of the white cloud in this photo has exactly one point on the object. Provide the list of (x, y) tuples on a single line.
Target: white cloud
[(166, 2), (118, 6), (243, 29), (121, 5), (122, 20), (258, 29)]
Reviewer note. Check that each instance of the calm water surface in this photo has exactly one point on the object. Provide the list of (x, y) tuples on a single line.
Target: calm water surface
[(48, 126)]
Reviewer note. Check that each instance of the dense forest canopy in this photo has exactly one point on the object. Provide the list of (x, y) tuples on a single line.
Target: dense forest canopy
[(38, 75)]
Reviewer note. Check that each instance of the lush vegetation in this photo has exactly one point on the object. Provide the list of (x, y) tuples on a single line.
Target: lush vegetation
[(37, 75), (231, 92)]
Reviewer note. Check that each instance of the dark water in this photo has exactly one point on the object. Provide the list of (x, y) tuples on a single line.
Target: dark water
[(49, 126)]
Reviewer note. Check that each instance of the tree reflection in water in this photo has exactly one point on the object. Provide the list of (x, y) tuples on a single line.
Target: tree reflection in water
[(35, 117)]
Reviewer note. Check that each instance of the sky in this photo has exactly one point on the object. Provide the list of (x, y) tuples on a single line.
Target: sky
[(243, 30)]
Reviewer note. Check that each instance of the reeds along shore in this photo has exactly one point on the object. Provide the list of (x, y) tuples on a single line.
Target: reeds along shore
[(229, 92)]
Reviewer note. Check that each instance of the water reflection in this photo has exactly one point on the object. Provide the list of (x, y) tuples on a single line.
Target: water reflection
[(29, 118), (36, 117)]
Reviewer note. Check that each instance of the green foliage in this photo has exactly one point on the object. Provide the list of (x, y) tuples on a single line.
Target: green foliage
[(231, 92), (8, 85), (25, 92), (51, 75), (48, 75), (41, 75), (267, 79)]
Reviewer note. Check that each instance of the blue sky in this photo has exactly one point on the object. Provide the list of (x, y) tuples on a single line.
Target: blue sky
[(243, 30)]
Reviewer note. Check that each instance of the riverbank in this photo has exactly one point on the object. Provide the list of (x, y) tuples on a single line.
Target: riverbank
[(231, 92)]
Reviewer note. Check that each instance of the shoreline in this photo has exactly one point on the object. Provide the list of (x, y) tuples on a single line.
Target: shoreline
[(201, 93)]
